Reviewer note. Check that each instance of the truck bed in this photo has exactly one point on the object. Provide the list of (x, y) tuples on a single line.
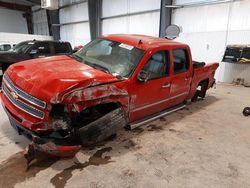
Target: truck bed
[(201, 73)]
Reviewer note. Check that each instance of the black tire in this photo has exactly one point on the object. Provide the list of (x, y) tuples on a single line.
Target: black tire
[(201, 93), (246, 111), (195, 97), (102, 128)]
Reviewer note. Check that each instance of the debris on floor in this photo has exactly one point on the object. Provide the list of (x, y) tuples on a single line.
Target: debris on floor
[(246, 111)]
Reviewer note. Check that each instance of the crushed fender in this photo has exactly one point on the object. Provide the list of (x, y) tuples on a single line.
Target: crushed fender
[(89, 135)]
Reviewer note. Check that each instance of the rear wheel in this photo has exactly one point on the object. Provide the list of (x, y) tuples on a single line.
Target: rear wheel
[(201, 90)]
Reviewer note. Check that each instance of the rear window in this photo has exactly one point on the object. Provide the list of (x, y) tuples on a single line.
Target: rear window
[(41, 48), (181, 60), (62, 48)]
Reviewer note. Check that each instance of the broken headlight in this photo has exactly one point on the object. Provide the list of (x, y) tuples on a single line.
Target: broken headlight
[(61, 120), (60, 124)]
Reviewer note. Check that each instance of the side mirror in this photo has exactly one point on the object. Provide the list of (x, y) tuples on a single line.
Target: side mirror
[(143, 76)]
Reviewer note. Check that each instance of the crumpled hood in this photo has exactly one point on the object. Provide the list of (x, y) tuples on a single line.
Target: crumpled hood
[(48, 77)]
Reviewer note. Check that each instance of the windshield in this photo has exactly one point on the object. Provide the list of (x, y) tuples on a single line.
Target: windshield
[(109, 56), (22, 47)]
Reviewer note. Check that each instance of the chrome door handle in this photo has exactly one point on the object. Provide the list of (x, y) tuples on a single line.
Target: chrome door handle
[(166, 86), (187, 78)]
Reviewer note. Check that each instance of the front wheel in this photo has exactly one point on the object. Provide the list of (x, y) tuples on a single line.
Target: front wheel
[(246, 111)]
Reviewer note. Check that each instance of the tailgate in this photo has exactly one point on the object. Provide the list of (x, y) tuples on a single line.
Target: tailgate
[(205, 72)]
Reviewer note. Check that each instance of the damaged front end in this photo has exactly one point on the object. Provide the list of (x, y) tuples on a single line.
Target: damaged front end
[(67, 139), (80, 119)]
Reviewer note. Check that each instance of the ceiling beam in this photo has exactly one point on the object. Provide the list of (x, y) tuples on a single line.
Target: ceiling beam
[(95, 7), (14, 6), (54, 23), (165, 16)]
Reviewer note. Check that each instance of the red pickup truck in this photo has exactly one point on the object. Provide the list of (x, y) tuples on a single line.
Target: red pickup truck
[(115, 81)]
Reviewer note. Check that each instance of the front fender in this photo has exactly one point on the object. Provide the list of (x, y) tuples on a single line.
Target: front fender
[(82, 98)]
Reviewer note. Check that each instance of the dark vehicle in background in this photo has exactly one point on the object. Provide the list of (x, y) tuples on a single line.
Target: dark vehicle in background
[(32, 49)]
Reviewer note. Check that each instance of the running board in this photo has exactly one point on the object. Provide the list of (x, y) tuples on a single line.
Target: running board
[(155, 116)]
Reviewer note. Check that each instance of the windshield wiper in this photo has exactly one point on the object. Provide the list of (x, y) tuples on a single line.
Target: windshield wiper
[(99, 67), (78, 58)]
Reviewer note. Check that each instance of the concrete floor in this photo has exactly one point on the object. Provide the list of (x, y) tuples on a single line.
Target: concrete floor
[(205, 145)]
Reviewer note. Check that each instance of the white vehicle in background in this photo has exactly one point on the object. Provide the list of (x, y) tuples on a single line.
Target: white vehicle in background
[(4, 46)]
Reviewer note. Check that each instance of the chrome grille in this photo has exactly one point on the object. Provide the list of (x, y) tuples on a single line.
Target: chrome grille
[(23, 94), (22, 105)]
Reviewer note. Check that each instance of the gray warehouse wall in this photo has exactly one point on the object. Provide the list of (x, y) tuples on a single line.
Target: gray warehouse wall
[(12, 21)]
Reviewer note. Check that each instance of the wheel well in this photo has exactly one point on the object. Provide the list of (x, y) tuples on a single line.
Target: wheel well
[(201, 89), (106, 107), (95, 112), (204, 85), (205, 82)]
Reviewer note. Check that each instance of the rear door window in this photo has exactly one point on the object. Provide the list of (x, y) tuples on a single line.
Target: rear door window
[(62, 48), (181, 60), (41, 48)]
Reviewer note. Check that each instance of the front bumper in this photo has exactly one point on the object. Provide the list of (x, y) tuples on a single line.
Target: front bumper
[(51, 145)]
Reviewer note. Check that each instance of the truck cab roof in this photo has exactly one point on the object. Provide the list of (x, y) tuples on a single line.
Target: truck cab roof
[(142, 41)]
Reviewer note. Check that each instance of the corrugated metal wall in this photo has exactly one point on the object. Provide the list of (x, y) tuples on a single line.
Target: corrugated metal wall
[(144, 23), (40, 21), (12, 21), (208, 29), (75, 25)]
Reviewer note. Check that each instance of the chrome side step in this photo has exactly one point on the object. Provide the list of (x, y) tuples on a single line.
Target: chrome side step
[(155, 116)]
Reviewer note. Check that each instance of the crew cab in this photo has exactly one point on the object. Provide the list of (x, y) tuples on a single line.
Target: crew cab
[(30, 50), (115, 81)]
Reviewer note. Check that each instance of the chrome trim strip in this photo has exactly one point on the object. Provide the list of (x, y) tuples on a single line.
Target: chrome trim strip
[(159, 102), (18, 103), (135, 125), (29, 98)]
